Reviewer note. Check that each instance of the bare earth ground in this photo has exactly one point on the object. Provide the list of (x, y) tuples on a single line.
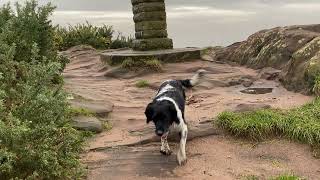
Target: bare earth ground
[(123, 153)]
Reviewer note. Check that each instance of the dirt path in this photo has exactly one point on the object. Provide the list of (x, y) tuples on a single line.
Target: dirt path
[(214, 157)]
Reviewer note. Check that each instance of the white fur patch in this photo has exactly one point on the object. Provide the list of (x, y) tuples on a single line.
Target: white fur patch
[(167, 88)]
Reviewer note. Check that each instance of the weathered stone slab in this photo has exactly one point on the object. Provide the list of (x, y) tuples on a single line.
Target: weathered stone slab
[(169, 55), (134, 2), (150, 16), (147, 34), (152, 44), (99, 108), (148, 7), (150, 25), (87, 124)]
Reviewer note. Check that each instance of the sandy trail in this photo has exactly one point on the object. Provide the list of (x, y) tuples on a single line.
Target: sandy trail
[(213, 157)]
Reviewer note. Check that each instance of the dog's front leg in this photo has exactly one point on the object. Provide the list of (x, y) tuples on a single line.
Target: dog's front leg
[(181, 155), (165, 149)]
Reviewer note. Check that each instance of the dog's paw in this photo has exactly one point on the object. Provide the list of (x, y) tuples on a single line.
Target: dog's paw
[(166, 152), (182, 160), (201, 72)]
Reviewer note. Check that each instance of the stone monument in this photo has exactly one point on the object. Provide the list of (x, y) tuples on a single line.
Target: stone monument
[(151, 37), (150, 25)]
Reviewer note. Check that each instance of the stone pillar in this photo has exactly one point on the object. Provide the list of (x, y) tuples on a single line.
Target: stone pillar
[(150, 25)]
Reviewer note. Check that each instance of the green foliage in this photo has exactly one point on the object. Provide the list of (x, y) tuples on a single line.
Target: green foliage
[(79, 112), (142, 84), (36, 139), (87, 34), (5, 15), (107, 126), (250, 177), (316, 86), (30, 26), (84, 34), (302, 124), (142, 64), (121, 42), (286, 177)]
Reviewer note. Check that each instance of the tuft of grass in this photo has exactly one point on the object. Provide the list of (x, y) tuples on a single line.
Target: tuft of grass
[(286, 177), (316, 86), (72, 112), (301, 124), (250, 177), (142, 64), (107, 126), (142, 84)]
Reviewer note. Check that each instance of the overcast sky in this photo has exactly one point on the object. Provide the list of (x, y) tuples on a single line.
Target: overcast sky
[(194, 22)]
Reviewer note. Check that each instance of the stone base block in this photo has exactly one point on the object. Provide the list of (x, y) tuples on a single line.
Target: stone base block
[(169, 55), (152, 44)]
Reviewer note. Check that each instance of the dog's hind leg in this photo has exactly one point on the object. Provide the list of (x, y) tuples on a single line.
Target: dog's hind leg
[(181, 155), (165, 149)]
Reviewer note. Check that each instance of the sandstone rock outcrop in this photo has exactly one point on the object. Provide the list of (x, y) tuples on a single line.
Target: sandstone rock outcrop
[(295, 50)]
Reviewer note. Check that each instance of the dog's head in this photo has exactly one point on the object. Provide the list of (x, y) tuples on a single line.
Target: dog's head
[(163, 114)]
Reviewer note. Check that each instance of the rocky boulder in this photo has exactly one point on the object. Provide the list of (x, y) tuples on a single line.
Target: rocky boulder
[(87, 124), (295, 50)]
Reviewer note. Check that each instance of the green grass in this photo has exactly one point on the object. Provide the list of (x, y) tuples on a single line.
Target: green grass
[(316, 87), (286, 177), (80, 112), (250, 177), (301, 124), (107, 126), (142, 84), (142, 64)]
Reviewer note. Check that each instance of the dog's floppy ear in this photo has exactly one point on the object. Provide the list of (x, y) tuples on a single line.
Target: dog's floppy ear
[(149, 112)]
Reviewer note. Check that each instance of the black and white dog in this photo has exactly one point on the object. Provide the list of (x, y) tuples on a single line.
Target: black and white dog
[(167, 113)]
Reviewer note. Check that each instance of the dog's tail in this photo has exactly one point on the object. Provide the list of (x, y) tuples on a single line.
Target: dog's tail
[(189, 83)]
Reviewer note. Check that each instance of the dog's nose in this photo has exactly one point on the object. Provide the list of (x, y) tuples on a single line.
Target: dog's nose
[(159, 132)]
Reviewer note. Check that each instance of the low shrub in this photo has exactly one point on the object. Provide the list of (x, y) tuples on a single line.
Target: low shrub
[(121, 42), (87, 34), (36, 138)]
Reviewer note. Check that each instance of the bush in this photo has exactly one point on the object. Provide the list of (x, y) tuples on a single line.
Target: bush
[(36, 139), (121, 42), (87, 34), (27, 27)]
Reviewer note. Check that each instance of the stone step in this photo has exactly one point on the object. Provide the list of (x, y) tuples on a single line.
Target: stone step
[(148, 34), (169, 55), (148, 7)]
